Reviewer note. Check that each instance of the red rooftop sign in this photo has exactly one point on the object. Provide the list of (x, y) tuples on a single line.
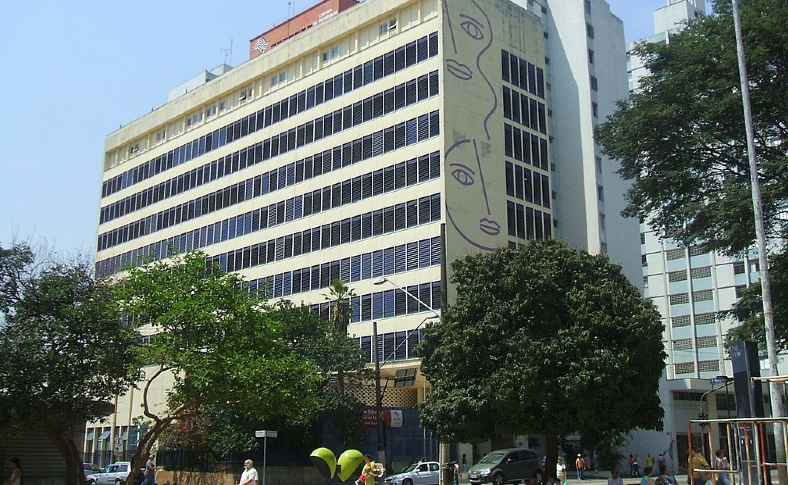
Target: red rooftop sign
[(294, 26)]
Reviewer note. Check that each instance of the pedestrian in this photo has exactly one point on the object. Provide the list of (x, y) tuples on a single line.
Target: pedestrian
[(630, 463), (16, 472), (560, 470), (647, 479), (370, 471), (249, 476), (615, 479), (464, 464), (721, 463), (661, 464), (456, 468), (150, 472), (636, 466), (649, 460), (698, 462), (667, 478), (580, 464)]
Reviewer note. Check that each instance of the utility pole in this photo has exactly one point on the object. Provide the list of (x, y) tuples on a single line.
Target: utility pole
[(766, 292)]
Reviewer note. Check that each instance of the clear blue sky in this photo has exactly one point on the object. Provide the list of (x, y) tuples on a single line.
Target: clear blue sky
[(75, 71)]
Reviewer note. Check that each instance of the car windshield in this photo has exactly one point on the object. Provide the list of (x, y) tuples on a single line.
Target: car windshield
[(492, 458), (410, 468)]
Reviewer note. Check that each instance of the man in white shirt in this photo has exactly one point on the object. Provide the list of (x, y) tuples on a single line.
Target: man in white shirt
[(249, 476), (614, 479)]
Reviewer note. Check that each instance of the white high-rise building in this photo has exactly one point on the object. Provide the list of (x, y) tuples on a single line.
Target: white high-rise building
[(689, 287), (352, 136)]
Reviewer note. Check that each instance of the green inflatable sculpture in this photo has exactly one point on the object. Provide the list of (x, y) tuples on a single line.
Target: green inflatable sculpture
[(326, 463)]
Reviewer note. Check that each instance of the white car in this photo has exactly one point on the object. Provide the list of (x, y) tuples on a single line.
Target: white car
[(111, 475), (422, 473)]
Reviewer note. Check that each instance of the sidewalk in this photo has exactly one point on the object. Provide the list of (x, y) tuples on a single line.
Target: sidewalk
[(602, 479)]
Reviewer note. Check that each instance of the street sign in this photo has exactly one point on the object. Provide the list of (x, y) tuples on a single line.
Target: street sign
[(118, 451), (719, 380), (265, 433)]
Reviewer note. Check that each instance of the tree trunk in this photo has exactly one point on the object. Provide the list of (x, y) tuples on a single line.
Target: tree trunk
[(551, 447), (64, 441)]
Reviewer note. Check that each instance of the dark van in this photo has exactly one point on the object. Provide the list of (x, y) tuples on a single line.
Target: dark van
[(511, 465)]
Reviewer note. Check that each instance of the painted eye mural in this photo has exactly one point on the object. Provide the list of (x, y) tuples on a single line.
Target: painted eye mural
[(469, 36)]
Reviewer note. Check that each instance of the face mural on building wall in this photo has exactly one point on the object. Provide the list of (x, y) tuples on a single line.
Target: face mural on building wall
[(470, 37)]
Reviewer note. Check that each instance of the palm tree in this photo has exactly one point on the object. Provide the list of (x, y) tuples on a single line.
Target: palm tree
[(339, 313)]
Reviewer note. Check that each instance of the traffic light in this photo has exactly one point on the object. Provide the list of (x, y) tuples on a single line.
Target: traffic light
[(702, 415)]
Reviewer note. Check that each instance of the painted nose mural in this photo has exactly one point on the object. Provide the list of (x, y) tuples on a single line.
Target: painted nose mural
[(469, 37)]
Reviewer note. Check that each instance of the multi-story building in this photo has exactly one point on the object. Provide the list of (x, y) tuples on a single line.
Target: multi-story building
[(690, 287), (374, 142)]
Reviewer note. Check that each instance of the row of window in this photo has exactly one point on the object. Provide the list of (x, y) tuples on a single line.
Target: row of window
[(522, 74), (390, 303), (695, 273), (700, 319), (372, 107), (524, 110), (527, 222), (394, 346), (406, 133), (525, 147), (700, 342), (397, 217), (382, 262), (700, 295), (361, 75), (527, 185), (703, 366)]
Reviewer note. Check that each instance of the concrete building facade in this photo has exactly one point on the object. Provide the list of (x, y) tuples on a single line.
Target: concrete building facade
[(383, 141)]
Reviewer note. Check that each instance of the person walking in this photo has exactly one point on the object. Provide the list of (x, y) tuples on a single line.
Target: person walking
[(721, 463), (661, 464), (150, 472), (370, 471), (16, 472), (629, 463), (635, 466), (249, 475), (698, 462), (560, 470), (649, 460), (647, 479), (580, 464), (465, 464), (615, 478)]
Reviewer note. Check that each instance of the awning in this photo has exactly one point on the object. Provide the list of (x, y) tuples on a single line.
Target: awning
[(125, 435), (104, 435), (89, 436)]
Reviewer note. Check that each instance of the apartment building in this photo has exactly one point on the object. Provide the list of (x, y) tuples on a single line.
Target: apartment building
[(374, 142)]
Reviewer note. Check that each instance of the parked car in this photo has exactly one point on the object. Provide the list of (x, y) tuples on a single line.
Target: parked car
[(421, 473), (110, 475), (89, 469), (511, 465)]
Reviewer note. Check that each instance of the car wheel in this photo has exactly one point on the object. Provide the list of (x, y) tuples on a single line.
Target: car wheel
[(498, 479), (118, 481), (407, 481), (538, 476), (92, 482)]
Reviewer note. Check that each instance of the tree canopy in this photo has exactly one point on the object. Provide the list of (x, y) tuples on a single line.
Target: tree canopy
[(681, 138), (64, 351), (222, 344), (543, 339), (749, 308)]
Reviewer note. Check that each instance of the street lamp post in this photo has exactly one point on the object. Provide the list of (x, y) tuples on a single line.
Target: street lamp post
[(378, 395), (378, 398)]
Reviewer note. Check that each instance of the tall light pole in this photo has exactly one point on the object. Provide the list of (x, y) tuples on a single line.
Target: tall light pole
[(378, 396), (766, 291)]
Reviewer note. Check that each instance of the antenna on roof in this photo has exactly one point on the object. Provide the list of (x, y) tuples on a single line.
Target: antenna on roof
[(228, 53)]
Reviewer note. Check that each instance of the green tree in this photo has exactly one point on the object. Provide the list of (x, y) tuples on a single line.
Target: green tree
[(64, 351), (339, 315), (681, 136), (543, 339), (749, 308), (221, 343), (336, 356)]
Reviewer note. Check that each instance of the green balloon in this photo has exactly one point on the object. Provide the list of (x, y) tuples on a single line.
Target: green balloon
[(348, 462), (325, 461)]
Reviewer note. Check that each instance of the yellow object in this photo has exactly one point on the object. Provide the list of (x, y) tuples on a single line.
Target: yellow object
[(348, 462), (325, 461)]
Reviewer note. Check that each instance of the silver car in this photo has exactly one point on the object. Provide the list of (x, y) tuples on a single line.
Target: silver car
[(422, 473), (111, 475)]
